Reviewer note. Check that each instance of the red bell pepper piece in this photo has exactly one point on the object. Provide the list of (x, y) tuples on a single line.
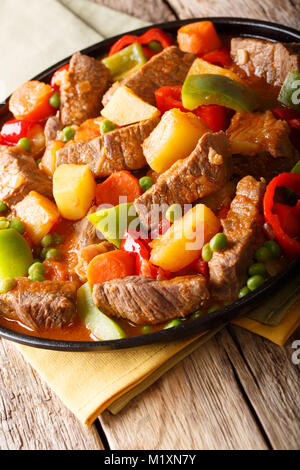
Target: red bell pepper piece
[(156, 34), (218, 57), (55, 80), (169, 97), (201, 267), (294, 123), (289, 217), (122, 42), (290, 245), (285, 113), (14, 130), (213, 115)]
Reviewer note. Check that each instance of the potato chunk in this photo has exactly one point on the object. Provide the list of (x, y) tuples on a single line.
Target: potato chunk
[(200, 66), (125, 108), (74, 189), (39, 215), (48, 163), (181, 244), (173, 138)]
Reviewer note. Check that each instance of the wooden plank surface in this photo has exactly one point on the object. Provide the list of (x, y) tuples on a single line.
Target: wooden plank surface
[(31, 416), (152, 11)]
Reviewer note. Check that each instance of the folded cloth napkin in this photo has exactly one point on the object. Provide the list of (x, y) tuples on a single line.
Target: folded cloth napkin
[(37, 34)]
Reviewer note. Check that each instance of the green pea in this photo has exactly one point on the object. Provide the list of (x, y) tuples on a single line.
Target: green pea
[(172, 323), (24, 144), (36, 277), (263, 254), (18, 225), (196, 314), (274, 248), (145, 183), (36, 268), (3, 207), (243, 291), (4, 224), (67, 133), (206, 253), (106, 126), (213, 308), (57, 239), (146, 329), (54, 100), (155, 46), (47, 241), (218, 242), (257, 268), (43, 253), (255, 281), (174, 212), (7, 284), (53, 254)]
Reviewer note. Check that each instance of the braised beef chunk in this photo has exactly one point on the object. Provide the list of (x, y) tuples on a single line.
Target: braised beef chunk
[(146, 301), (52, 127), (40, 304), (82, 88), (85, 231), (204, 172), (260, 145), (169, 67), (269, 60), (243, 228), (117, 150), (19, 175)]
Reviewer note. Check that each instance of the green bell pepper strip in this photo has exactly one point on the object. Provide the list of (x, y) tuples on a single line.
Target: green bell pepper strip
[(218, 89), (290, 91), (296, 168), (15, 254), (126, 61), (113, 222), (103, 327)]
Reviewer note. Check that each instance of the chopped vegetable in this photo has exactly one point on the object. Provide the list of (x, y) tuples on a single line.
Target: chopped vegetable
[(36, 136), (213, 115), (3, 207), (53, 254), (263, 254), (255, 281), (152, 35), (200, 66), (48, 162), (14, 130), (36, 272), (31, 101), (121, 184), (218, 57), (113, 222), (18, 225), (274, 248), (182, 243), (218, 242), (89, 129), (155, 46), (290, 91), (4, 223), (47, 241), (38, 213), (146, 329), (171, 324), (123, 63), (213, 308), (68, 133), (217, 89), (101, 326), (174, 212), (289, 217), (199, 37), (243, 291), (54, 100), (24, 144), (257, 268), (168, 97), (125, 108), (74, 190), (107, 126), (174, 137), (289, 245), (115, 264), (145, 183), (206, 252), (201, 266), (7, 284), (15, 254), (57, 77), (296, 168)]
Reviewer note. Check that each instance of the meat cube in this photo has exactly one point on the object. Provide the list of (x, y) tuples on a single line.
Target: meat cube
[(243, 228), (269, 60), (204, 172), (52, 127), (264, 140), (146, 301), (117, 150), (169, 67), (37, 304), (19, 175), (82, 89)]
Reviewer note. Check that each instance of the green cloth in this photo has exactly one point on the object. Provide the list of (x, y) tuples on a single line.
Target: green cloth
[(36, 34)]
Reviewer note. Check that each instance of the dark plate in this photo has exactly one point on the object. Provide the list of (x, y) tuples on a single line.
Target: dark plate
[(233, 27)]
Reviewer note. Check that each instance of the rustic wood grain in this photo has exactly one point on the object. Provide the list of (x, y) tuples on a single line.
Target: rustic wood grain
[(153, 10), (286, 12), (31, 416), (197, 405), (271, 383)]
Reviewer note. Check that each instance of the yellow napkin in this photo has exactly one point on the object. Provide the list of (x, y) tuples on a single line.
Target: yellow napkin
[(37, 34)]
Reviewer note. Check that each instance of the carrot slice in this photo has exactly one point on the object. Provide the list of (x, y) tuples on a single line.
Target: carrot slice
[(199, 38), (115, 264), (31, 101), (121, 183)]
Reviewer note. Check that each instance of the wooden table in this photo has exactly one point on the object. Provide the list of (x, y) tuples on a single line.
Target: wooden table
[(238, 391)]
